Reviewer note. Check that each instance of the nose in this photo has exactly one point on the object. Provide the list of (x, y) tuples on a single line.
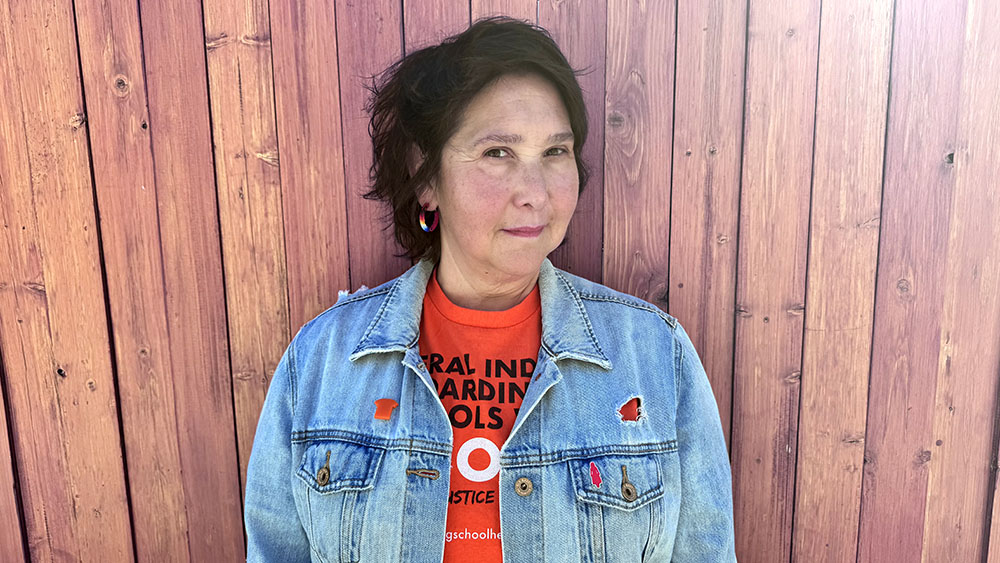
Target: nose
[(532, 189)]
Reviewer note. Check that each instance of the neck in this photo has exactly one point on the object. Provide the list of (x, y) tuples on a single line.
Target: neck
[(482, 289)]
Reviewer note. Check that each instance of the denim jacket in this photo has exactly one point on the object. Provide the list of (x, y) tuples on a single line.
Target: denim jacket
[(328, 481)]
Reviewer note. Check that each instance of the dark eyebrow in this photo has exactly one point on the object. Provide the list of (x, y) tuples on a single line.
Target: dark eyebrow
[(515, 139)]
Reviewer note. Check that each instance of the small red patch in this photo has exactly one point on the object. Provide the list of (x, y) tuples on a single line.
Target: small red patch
[(631, 410), (595, 475)]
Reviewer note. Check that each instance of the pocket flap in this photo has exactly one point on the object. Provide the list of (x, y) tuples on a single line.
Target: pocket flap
[(331, 466), (600, 480)]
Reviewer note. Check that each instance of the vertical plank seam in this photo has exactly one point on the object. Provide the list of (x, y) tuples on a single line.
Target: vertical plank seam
[(739, 208), (343, 140), (992, 481), (18, 502), (402, 27), (281, 187), (673, 138), (878, 254), (604, 145), (222, 261), (112, 349), (805, 292)]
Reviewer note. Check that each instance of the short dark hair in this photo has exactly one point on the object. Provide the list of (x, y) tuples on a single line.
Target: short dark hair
[(420, 99)]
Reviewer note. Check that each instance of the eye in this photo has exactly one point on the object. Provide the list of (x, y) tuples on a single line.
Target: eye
[(496, 153), (557, 151)]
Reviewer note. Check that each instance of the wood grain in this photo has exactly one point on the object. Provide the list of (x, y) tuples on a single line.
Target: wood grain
[(13, 171), (639, 122), (961, 466), (11, 543), (60, 388), (526, 10), (307, 91), (705, 190), (428, 22), (193, 301), (770, 291), (847, 188), (910, 331), (579, 27), (370, 35), (241, 94), (126, 193)]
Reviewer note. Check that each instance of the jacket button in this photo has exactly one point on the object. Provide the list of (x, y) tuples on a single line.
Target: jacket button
[(523, 486)]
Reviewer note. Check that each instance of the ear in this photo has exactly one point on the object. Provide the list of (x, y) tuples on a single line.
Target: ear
[(428, 194), (414, 159)]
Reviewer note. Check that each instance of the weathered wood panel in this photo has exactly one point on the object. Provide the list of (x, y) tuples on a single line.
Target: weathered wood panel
[(579, 27), (638, 106), (289, 236), (526, 10), (238, 43), (782, 45), (307, 88), (705, 192), (428, 22), (190, 307), (126, 193), (847, 189), (370, 37), (11, 541), (53, 327), (13, 171), (968, 339), (917, 208)]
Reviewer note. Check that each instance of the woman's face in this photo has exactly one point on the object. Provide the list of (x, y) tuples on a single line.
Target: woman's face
[(508, 183)]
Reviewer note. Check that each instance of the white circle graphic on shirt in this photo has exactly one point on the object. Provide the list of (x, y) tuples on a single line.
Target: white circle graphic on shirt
[(462, 459)]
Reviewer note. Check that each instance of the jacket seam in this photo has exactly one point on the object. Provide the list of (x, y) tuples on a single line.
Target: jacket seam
[(583, 312), (408, 444), (586, 453), (670, 320)]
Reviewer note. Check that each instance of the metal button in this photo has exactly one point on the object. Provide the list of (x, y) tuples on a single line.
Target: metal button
[(523, 486), (323, 475), (628, 489)]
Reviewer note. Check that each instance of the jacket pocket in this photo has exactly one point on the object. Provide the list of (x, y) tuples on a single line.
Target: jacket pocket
[(618, 505), (338, 478)]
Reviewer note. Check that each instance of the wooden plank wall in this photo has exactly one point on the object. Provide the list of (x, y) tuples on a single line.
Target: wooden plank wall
[(810, 187)]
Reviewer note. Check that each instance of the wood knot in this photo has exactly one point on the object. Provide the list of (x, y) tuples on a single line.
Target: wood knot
[(77, 120), (616, 119), (122, 86), (794, 377), (269, 157), (92, 385), (797, 309), (261, 40), (212, 43), (922, 457), (743, 312)]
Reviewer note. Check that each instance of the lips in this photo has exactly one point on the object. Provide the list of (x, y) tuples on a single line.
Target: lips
[(529, 232)]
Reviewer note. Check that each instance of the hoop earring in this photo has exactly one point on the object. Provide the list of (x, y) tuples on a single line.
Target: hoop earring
[(423, 221)]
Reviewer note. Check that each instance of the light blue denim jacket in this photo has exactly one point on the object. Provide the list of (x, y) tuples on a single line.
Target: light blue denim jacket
[(329, 482)]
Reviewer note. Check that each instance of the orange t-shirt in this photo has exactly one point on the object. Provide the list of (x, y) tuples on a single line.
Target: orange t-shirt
[(481, 363)]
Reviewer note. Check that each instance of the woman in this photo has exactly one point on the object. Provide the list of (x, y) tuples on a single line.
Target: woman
[(484, 405)]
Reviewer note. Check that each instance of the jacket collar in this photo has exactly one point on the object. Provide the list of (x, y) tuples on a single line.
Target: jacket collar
[(566, 329)]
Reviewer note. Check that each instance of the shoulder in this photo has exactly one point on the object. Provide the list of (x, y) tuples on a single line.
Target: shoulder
[(351, 314), (599, 297)]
